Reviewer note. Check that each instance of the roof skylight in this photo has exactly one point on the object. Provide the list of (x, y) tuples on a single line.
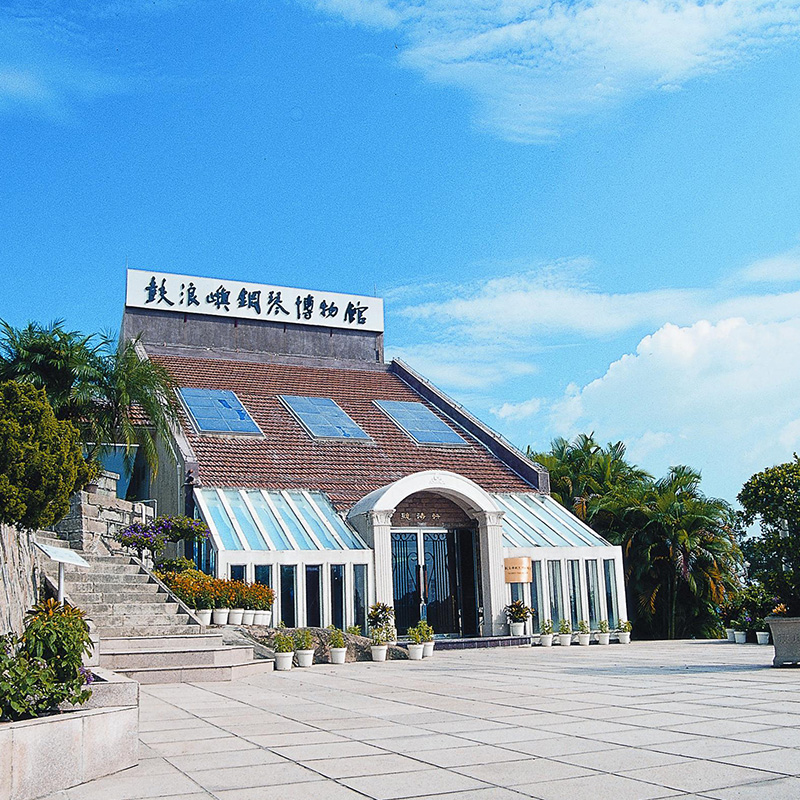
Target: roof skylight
[(322, 418), (419, 422), (217, 411)]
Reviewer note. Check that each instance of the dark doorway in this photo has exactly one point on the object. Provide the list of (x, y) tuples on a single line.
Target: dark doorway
[(435, 578)]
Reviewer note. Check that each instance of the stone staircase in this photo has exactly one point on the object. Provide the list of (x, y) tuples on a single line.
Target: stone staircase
[(144, 634)]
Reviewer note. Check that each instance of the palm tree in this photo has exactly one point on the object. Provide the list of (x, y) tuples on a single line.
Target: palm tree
[(114, 396), (134, 403), (62, 362), (681, 555)]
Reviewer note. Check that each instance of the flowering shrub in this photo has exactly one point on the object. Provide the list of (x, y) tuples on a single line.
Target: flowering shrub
[(179, 529), (199, 590), (141, 538)]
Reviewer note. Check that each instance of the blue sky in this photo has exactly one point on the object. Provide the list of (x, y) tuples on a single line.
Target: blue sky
[(582, 216)]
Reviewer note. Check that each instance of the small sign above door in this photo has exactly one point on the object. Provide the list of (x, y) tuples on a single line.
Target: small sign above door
[(518, 570)]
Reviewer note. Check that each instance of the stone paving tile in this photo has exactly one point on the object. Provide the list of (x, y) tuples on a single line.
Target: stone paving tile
[(382, 764), (780, 789), (409, 745), (288, 739), (777, 737), (698, 776), (233, 758), (720, 727), (621, 759), (511, 773), (124, 787), (293, 791), (412, 784), (560, 745), (468, 756), (492, 793), (199, 731), (706, 747), (509, 734), (311, 752), (202, 746), (259, 775), (596, 787), (771, 760)]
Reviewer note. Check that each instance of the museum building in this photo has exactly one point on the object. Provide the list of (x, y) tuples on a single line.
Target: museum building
[(340, 480)]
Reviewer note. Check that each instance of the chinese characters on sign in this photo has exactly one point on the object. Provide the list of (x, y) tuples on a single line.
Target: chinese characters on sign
[(186, 294)]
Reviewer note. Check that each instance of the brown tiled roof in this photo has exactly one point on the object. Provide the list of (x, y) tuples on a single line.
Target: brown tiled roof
[(290, 458)]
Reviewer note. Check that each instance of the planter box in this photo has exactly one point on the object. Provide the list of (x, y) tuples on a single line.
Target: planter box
[(42, 756), (786, 638)]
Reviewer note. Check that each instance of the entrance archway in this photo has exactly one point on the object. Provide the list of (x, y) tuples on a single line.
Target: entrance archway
[(436, 537)]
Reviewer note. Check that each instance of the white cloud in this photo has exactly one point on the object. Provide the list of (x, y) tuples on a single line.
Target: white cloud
[(535, 65), (781, 268), (517, 411), (549, 300), (724, 397)]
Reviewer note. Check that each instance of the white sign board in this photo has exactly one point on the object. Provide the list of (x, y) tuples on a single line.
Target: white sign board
[(188, 294), (62, 555)]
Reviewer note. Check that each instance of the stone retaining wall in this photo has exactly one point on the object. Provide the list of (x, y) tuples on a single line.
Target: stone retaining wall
[(20, 574)]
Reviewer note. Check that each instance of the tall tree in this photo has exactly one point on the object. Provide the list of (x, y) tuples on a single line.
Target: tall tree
[(681, 556)]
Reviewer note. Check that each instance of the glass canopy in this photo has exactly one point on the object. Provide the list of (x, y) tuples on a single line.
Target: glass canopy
[(260, 519), (323, 418), (533, 520), (419, 422), (217, 411)]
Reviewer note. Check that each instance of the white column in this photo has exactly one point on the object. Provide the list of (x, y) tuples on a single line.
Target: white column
[(490, 536), (381, 524)]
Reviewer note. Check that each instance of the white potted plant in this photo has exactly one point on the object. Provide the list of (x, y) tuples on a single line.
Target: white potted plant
[(378, 648), (624, 631), (427, 638), (304, 647), (338, 646), (762, 634), (517, 614), (237, 603), (416, 644), (564, 633), (546, 633), (603, 635), (381, 616), (729, 633), (284, 651), (263, 597), (584, 633), (222, 596), (248, 598)]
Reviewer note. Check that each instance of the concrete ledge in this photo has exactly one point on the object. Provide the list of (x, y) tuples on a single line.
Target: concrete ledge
[(42, 756), (112, 690)]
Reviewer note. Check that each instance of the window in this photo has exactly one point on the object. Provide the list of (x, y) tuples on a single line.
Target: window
[(575, 599), (337, 595), (323, 418), (264, 574), (288, 609), (610, 575), (217, 411), (313, 596), (419, 422), (593, 590), (238, 572), (537, 600), (556, 592), (360, 595)]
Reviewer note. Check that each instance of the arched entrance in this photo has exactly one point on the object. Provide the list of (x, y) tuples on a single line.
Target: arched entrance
[(438, 556)]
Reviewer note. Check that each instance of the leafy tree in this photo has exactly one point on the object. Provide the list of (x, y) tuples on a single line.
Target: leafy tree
[(40, 458), (62, 362), (134, 403), (772, 497), (581, 471), (681, 557), (108, 391)]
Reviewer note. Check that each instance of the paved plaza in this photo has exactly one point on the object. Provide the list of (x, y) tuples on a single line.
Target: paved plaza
[(650, 720)]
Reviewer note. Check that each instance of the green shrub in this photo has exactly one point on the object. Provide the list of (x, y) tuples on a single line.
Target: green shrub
[(44, 667), (177, 565), (564, 627), (284, 643), (354, 630), (603, 626), (40, 459), (380, 615), (416, 634), (583, 627), (303, 639), (547, 627), (337, 638)]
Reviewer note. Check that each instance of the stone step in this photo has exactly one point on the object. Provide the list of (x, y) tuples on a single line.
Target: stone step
[(106, 579), (188, 628), (198, 673), (87, 598), (130, 644), (138, 620), (95, 558), (185, 655), (124, 609), (112, 570)]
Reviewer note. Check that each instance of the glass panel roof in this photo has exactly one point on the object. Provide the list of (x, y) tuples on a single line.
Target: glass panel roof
[(217, 411), (533, 520), (323, 418), (282, 520), (419, 422)]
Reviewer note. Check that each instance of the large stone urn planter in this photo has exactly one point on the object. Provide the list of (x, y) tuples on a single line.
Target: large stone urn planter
[(786, 638)]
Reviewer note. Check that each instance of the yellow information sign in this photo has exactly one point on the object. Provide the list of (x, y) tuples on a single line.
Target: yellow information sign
[(518, 570)]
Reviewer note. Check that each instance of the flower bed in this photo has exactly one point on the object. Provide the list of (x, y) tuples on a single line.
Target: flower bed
[(200, 591)]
